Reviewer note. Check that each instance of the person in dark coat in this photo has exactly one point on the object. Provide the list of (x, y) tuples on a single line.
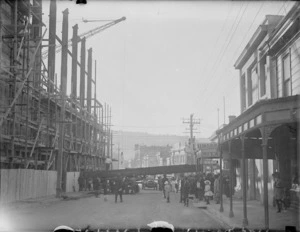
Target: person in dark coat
[(278, 192), (96, 185), (104, 186), (226, 185), (186, 191), (118, 188), (81, 182)]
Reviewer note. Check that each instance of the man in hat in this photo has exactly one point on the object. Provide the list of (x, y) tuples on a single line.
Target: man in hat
[(278, 192), (119, 187), (186, 191)]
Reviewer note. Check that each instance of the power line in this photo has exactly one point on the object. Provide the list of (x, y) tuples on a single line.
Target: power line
[(207, 79), (229, 86), (249, 30), (220, 60), (283, 5), (221, 32), (246, 35)]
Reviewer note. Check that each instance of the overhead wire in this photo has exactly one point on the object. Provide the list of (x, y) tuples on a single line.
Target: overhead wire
[(234, 54), (229, 85), (214, 70), (215, 63), (219, 36), (249, 30)]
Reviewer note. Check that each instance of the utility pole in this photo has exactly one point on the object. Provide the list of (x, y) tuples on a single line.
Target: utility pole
[(192, 122)]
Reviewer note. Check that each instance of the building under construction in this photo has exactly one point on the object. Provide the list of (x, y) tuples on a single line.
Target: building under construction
[(40, 126)]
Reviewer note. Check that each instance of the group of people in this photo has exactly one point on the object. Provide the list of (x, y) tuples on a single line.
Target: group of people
[(117, 186), (201, 186)]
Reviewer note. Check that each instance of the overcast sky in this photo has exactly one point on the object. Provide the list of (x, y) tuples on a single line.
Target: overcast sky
[(168, 59)]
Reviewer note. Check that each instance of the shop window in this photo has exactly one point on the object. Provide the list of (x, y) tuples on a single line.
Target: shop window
[(287, 90)]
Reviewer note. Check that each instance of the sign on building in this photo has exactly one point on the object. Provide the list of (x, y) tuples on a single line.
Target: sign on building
[(208, 150)]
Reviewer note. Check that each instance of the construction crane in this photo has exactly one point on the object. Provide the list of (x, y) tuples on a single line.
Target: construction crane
[(87, 34)]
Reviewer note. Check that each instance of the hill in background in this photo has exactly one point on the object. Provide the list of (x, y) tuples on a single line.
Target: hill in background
[(126, 141)]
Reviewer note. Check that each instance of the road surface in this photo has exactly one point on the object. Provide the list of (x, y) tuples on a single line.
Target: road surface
[(136, 211)]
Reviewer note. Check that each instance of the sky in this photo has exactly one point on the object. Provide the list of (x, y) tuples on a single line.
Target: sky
[(168, 59)]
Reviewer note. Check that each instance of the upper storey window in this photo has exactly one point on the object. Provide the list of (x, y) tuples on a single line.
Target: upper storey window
[(287, 90), (254, 82)]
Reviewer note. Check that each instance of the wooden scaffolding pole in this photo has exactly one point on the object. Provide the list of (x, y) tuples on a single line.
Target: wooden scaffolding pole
[(64, 71)]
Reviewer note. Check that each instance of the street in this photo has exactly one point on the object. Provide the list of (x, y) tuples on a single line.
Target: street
[(136, 211)]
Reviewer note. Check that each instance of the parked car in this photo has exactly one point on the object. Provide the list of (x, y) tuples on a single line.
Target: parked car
[(150, 184)]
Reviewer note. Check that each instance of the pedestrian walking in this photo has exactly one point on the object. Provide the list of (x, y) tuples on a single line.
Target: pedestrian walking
[(207, 192), (217, 189), (202, 186), (186, 191), (173, 184), (168, 189), (176, 185), (104, 186), (96, 185), (198, 189), (278, 192), (181, 184), (118, 188), (163, 184), (90, 184), (81, 182)]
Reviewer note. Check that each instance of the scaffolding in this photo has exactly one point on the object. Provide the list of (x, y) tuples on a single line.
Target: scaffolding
[(40, 126)]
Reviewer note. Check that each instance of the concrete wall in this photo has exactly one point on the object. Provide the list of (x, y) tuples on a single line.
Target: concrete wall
[(21, 184)]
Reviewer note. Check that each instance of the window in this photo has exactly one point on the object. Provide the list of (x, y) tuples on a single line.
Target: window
[(286, 76), (249, 88), (243, 92), (254, 87), (262, 77)]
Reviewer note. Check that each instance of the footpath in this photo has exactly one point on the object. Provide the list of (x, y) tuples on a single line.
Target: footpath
[(44, 201), (255, 215)]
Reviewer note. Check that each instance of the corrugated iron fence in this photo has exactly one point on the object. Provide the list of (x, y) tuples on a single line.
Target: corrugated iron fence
[(21, 184), (72, 182)]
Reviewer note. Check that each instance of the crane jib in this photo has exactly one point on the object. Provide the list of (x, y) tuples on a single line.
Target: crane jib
[(86, 34)]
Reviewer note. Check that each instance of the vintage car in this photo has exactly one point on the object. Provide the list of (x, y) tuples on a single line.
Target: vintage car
[(150, 184)]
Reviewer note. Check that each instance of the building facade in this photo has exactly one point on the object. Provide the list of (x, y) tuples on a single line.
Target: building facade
[(150, 156), (264, 138), (40, 126), (179, 154)]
